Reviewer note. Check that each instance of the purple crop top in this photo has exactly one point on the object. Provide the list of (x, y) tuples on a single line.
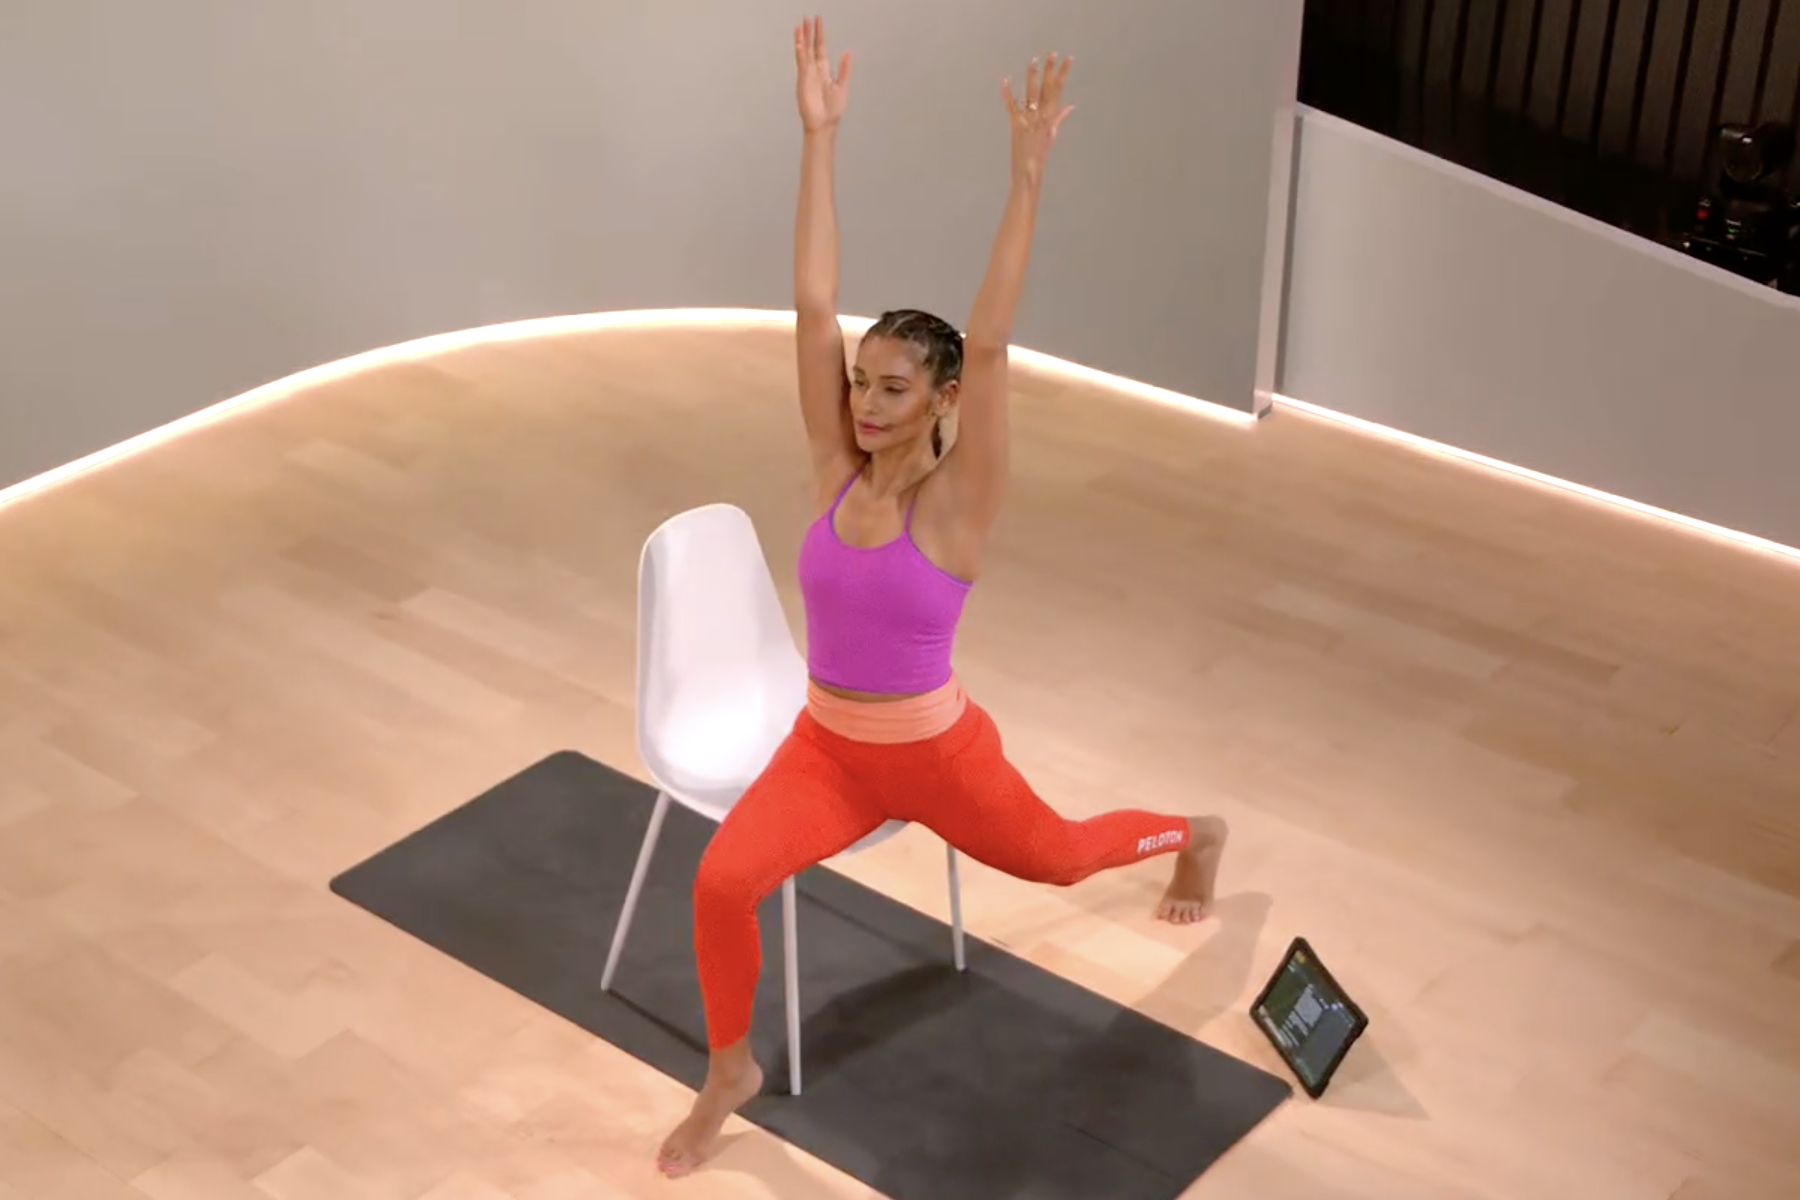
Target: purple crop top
[(880, 619)]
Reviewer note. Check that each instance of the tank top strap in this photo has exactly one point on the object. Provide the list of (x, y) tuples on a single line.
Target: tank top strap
[(843, 491)]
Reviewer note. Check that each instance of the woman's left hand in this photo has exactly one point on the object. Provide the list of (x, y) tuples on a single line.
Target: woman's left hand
[(1036, 119)]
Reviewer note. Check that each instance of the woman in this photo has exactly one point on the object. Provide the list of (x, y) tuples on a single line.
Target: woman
[(909, 460)]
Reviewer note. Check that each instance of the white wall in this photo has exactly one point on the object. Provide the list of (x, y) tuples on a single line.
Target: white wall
[(1433, 300), (201, 196)]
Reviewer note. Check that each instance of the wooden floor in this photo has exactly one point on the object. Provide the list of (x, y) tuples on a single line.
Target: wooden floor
[(1524, 767)]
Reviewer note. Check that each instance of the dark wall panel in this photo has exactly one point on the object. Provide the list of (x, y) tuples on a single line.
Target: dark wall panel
[(1607, 106)]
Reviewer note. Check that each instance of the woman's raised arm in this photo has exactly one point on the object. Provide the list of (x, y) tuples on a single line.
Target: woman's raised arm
[(819, 339), (979, 465)]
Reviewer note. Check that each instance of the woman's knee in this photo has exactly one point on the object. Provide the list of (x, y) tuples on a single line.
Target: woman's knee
[(1060, 870), (1056, 852), (1046, 854), (725, 883)]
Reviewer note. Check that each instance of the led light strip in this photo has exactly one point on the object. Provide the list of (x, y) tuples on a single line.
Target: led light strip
[(1747, 541), (546, 327)]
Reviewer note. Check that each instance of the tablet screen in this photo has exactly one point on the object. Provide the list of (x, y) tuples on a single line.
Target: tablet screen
[(1308, 1017)]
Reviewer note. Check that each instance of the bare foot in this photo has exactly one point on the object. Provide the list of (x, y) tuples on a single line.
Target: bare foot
[(1189, 897), (692, 1141)]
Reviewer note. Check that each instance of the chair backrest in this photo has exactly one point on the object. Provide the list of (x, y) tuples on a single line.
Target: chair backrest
[(712, 634)]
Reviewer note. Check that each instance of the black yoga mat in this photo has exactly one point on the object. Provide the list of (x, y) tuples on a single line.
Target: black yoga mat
[(924, 1083)]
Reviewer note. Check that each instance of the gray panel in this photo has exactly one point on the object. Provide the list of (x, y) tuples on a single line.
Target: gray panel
[(204, 195), (1435, 301)]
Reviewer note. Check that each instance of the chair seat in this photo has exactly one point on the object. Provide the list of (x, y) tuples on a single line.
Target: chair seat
[(712, 754), (710, 757), (881, 834)]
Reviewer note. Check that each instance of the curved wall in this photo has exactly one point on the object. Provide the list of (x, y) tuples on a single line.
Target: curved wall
[(204, 195)]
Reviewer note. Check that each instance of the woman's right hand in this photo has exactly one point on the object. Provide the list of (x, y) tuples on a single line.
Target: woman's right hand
[(822, 95)]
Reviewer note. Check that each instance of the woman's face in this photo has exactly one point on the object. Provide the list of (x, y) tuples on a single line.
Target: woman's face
[(892, 400)]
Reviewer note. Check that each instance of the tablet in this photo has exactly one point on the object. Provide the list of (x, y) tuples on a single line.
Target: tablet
[(1307, 1017)]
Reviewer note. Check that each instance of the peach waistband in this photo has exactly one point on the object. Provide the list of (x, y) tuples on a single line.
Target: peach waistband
[(886, 722)]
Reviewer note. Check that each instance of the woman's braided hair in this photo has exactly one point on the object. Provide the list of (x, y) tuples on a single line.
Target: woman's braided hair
[(940, 347)]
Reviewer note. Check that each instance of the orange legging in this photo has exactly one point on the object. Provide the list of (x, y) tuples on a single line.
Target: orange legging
[(822, 792)]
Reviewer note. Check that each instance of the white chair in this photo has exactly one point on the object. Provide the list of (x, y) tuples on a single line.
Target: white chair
[(719, 683)]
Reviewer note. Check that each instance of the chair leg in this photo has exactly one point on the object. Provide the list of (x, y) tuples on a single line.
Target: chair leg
[(956, 928), (631, 893), (790, 946)]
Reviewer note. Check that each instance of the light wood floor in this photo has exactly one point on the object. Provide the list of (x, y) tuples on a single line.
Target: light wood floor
[(1526, 769)]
